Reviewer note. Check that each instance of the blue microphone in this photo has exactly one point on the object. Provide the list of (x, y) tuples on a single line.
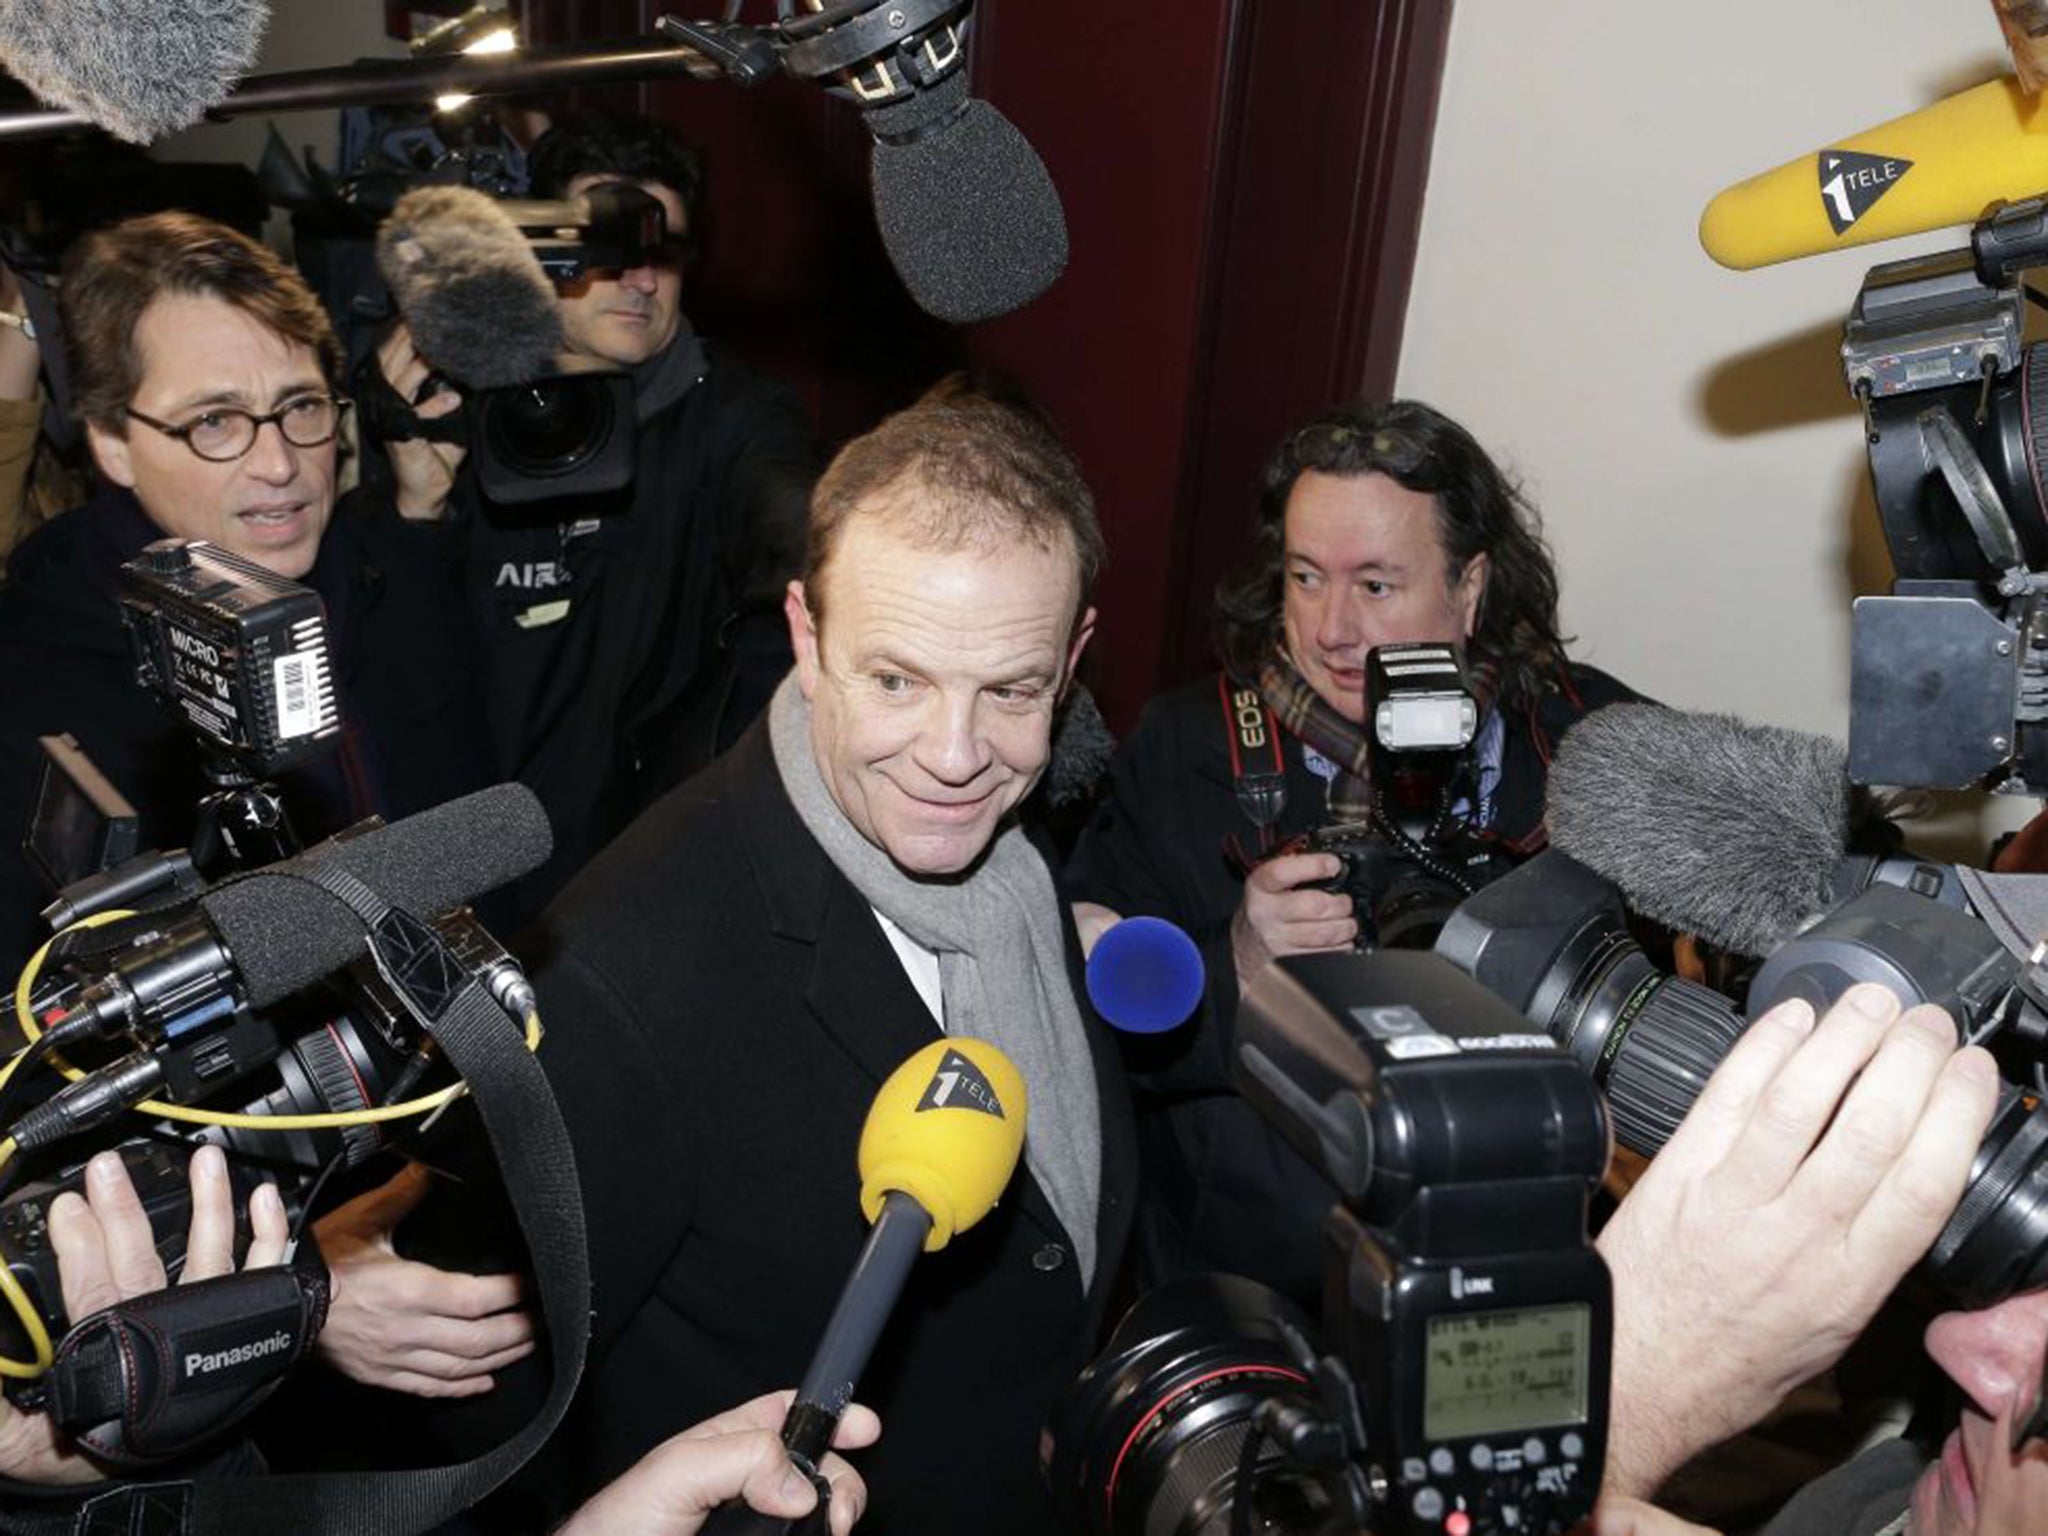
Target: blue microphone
[(1145, 975)]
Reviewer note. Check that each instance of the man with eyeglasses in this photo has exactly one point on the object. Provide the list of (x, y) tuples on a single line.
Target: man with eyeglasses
[(1377, 523), (203, 369), (204, 372)]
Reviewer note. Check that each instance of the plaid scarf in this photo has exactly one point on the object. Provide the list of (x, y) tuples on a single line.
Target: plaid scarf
[(1305, 715), (1309, 718)]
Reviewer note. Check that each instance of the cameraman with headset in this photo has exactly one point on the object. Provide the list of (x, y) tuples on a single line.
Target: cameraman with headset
[(1377, 524), (625, 639)]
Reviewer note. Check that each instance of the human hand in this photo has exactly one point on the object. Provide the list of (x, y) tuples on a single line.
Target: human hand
[(106, 1253), (1817, 1166), (410, 1327), (424, 471), (21, 358), (1092, 920), (1280, 914), (737, 1455)]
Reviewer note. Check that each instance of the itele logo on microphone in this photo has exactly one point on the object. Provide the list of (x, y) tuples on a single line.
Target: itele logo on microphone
[(1850, 183), (959, 1084)]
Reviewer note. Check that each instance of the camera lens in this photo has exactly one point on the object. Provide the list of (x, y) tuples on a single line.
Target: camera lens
[(2008, 441), (1150, 1440), (1996, 1243), (549, 428), (1649, 1041)]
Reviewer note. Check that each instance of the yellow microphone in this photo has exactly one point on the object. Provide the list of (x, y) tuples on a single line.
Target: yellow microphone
[(1949, 163), (945, 1131), (939, 1146)]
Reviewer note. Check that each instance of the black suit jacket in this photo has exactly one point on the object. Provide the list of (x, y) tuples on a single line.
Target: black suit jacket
[(721, 1007)]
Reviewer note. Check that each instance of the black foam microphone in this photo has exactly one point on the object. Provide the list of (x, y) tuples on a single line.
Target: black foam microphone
[(1736, 832), (266, 935), (286, 932), (967, 211), (966, 208), (137, 68), (480, 305)]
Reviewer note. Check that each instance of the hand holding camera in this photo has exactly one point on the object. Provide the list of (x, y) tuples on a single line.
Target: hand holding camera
[(1832, 1208), (423, 468), (1289, 909), (106, 1253)]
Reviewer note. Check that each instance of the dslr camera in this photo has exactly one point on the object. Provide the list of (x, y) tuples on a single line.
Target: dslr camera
[(1459, 1380), (1417, 855)]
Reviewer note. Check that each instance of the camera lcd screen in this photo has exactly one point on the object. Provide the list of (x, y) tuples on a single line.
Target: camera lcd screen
[(80, 824), (1492, 1373)]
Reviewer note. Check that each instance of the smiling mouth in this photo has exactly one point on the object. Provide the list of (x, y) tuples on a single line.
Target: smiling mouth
[(271, 517), (949, 810)]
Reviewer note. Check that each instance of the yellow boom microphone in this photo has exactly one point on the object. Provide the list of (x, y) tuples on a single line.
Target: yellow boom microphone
[(1949, 163)]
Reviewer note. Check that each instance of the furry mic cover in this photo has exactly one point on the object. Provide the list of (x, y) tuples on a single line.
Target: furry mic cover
[(1707, 824), (481, 309), (137, 68)]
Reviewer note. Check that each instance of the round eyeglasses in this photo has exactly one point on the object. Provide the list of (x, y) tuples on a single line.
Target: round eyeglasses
[(220, 434)]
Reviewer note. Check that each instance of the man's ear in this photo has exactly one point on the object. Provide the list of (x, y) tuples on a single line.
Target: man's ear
[(1471, 591), (803, 636), (110, 452), (1083, 633)]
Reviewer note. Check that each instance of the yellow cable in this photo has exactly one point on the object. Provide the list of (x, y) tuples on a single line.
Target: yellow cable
[(10, 1288), (334, 1120), (31, 1320)]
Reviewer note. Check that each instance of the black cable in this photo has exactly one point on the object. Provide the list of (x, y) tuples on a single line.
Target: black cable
[(1426, 861), (1241, 1484), (32, 1057)]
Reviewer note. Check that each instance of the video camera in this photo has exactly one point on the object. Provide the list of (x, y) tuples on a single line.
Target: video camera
[(1417, 855), (1461, 1382), (1949, 681), (307, 991), (1551, 939), (534, 430)]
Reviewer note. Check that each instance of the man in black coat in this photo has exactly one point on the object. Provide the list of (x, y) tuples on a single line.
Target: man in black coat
[(1377, 525), (733, 979), (627, 637)]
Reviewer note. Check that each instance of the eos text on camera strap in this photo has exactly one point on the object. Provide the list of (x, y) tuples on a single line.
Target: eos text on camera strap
[(1258, 765), (524, 1127)]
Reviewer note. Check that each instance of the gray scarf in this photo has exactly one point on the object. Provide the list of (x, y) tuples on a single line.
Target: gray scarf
[(670, 374), (997, 931)]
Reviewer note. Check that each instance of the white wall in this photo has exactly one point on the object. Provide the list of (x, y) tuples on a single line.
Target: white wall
[(1684, 428)]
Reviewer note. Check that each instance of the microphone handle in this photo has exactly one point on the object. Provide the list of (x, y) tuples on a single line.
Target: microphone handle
[(893, 1245)]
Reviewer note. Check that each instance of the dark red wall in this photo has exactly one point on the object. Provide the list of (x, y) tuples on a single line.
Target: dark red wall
[(1242, 185)]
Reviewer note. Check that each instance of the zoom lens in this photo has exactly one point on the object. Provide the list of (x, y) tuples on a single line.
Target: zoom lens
[(1151, 1441)]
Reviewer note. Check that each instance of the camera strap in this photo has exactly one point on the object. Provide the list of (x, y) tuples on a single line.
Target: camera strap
[(1258, 766), (524, 1127)]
